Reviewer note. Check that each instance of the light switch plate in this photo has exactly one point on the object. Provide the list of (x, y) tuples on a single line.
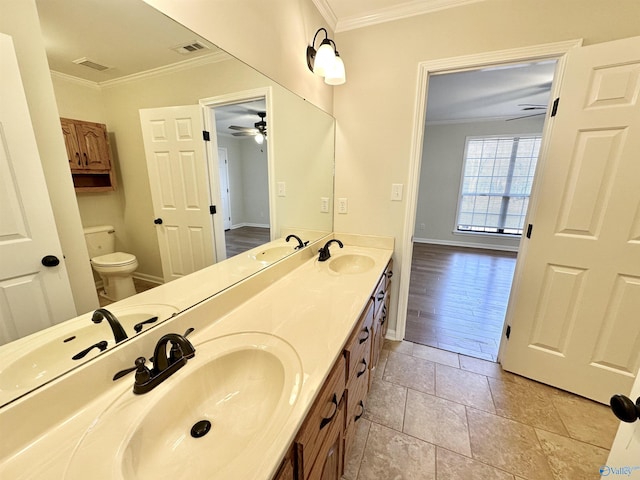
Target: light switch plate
[(282, 189), (324, 204), (396, 192)]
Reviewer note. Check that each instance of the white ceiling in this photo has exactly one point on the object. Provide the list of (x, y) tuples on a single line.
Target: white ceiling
[(131, 37)]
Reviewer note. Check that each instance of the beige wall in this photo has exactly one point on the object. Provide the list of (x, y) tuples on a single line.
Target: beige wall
[(270, 36), (20, 20), (374, 109)]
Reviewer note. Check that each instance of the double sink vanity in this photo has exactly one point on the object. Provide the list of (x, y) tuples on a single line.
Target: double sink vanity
[(268, 379)]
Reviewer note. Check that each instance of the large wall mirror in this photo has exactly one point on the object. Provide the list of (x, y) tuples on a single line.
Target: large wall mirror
[(276, 187)]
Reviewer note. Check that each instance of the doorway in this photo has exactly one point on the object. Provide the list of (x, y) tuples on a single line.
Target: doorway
[(428, 71), (238, 153), (481, 142)]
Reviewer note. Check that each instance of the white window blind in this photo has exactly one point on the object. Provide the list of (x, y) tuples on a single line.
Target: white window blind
[(496, 183)]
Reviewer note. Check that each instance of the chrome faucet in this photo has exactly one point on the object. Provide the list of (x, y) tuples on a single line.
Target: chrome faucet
[(301, 244), (118, 332), (325, 254)]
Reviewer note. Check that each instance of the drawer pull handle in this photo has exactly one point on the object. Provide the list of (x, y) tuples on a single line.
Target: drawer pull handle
[(78, 159), (384, 315), (390, 274), (364, 363), (361, 405), (86, 160), (327, 420), (380, 296), (362, 340)]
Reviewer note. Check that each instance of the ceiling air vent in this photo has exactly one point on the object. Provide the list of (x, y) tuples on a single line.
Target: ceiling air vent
[(90, 63), (190, 48)]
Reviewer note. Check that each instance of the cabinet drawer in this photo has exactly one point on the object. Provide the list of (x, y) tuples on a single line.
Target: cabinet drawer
[(382, 287), (356, 397), (322, 418), (357, 350)]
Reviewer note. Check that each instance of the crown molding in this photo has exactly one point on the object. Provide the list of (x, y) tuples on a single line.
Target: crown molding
[(327, 13), (404, 10), (71, 79), (215, 57)]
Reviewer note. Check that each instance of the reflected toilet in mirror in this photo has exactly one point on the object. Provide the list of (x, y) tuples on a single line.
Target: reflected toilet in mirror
[(114, 268)]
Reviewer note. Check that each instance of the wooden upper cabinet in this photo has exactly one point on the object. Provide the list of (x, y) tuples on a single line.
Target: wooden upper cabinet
[(89, 154), (87, 145)]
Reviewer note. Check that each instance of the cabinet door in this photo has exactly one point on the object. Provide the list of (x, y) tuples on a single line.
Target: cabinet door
[(94, 146), (328, 464), (71, 144)]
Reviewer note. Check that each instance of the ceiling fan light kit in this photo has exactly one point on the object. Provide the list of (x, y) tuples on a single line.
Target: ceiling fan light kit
[(258, 131), (326, 61)]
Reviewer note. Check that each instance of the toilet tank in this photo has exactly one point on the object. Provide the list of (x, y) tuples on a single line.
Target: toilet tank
[(100, 239)]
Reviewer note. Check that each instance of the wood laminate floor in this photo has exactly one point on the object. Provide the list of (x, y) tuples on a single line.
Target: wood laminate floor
[(458, 298), (239, 240)]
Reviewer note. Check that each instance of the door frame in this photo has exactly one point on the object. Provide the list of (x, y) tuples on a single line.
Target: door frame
[(208, 106), (557, 51)]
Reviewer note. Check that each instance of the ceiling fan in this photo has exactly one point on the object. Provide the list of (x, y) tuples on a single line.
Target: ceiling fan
[(529, 107), (259, 129)]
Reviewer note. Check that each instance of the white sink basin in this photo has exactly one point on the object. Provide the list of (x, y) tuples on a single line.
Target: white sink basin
[(273, 254), (351, 263), (53, 354), (245, 385)]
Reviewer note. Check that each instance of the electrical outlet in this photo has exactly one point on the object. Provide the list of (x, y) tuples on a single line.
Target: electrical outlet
[(423, 227), (396, 192), (282, 189), (324, 204), (342, 205)]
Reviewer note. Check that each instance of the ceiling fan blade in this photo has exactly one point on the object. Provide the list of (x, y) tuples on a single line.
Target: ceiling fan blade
[(244, 129), (244, 134), (526, 116)]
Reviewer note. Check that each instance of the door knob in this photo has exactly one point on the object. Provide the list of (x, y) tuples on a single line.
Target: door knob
[(624, 408), (50, 261), (158, 221)]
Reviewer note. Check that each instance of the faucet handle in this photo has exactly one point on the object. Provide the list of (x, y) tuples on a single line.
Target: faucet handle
[(141, 370), (143, 374)]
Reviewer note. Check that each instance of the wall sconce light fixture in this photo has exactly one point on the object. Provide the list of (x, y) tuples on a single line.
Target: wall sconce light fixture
[(326, 61)]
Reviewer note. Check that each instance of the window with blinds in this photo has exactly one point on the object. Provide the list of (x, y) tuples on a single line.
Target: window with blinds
[(496, 183)]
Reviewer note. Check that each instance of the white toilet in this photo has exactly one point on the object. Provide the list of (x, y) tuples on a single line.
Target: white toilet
[(114, 268)]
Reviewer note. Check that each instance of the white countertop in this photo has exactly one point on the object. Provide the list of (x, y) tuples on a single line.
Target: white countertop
[(309, 307)]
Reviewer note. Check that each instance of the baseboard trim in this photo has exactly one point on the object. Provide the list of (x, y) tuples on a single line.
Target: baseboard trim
[(453, 243), (148, 278)]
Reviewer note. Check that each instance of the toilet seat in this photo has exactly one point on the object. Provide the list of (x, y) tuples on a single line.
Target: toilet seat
[(117, 259)]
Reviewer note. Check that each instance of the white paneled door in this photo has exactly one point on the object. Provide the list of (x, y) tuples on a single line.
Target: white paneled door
[(33, 296), (575, 310), (178, 176)]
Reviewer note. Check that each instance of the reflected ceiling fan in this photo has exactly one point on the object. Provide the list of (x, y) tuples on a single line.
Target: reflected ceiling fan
[(531, 107), (258, 131)]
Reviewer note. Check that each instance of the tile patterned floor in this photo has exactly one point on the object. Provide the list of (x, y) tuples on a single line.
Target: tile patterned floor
[(438, 415)]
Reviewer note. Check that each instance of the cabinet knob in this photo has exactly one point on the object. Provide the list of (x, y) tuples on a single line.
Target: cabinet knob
[(50, 261), (158, 221)]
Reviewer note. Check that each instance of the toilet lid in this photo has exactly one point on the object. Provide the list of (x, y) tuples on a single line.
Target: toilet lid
[(114, 259)]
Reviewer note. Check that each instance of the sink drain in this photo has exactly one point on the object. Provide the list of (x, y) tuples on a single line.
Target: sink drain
[(200, 429)]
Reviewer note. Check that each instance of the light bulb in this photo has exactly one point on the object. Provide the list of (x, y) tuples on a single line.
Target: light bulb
[(335, 75), (325, 57), (259, 138)]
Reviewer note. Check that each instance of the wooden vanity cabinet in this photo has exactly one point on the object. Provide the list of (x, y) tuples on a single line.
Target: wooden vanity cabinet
[(319, 439), (357, 353), (286, 470), (327, 433), (89, 155)]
